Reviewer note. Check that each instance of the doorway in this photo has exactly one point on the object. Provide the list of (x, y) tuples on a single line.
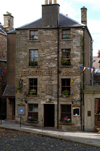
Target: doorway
[(48, 115)]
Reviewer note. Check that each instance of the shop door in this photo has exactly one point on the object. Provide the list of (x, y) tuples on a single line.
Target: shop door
[(48, 115), (97, 112)]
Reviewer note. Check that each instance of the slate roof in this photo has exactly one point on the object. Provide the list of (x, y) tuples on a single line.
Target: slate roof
[(12, 31), (2, 31), (9, 91), (64, 21)]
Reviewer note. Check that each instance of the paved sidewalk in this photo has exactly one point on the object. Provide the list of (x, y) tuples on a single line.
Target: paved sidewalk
[(88, 138)]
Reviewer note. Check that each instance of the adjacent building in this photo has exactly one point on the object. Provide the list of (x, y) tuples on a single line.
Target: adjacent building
[(44, 59), (8, 25)]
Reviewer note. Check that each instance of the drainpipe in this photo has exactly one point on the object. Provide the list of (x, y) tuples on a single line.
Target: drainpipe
[(83, 71), (58, 78)]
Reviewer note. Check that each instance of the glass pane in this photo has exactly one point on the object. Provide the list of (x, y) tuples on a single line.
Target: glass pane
[(32, 32), (68, 31), (30, 107), (35, 108), (32, 55), (35, 37), (64, 31), (64, 36), (35, 82), (36, 53), (35, 32), (35, 59), (64, 108), (69, 108), (68, 53), (63, 82), (31, 81), (68, 82), (64, 54)]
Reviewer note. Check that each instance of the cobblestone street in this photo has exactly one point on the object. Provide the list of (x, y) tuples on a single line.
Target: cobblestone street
[(20, 141)]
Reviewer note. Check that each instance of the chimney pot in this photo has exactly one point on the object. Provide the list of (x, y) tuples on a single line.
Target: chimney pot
[(55, 1), (50, 1), (46, 2)]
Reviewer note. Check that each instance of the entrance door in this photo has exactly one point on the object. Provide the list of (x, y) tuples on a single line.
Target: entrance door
[(49, 115), (97, 112)]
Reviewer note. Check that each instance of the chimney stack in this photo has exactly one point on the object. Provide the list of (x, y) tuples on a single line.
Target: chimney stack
[(50, 14), (84, 15)]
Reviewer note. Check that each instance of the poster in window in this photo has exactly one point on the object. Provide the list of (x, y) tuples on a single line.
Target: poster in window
[(76, 111)]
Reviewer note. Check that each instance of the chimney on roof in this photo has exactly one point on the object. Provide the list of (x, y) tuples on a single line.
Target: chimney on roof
[(50, 14), (84, 15), (8, 22)]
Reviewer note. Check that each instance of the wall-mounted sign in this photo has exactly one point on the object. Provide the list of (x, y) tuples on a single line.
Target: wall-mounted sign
[(21, 109), (76, 111)]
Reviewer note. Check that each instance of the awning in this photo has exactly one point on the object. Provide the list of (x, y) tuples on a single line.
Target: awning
[(9, 91)]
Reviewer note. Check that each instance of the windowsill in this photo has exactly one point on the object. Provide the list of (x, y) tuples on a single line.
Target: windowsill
[(66, 66), (32, 96), (64, 96), (67, 39), (34, 40), (70, 123), (33, 66)]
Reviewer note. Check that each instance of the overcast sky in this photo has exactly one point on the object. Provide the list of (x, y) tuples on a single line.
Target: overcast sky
[(26, 11)]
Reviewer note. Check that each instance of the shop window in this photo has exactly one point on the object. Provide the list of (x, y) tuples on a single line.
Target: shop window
[(32, 86), (33, 57), (66, 34), (66, 111), (33, 34), (65, 89), (33, 112), (66, 59), (76, 111)]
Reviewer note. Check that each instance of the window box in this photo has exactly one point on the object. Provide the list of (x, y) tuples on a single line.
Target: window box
[(65, 62), (33, 63)]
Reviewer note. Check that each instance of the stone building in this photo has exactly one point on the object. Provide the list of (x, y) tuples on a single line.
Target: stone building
[(3, 59), (3, 69), (48, 79)]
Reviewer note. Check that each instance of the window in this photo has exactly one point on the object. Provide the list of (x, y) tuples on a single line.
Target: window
[(66, 86), (33, 35), (66, 34), (66, 111), (66, 59), (33, 111), (76, 111), (32, 86), (33, 57)]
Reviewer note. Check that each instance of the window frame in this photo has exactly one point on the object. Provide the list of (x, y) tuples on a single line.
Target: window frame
[(66, 112), (32, 111), (66, 57), (69, 35), (66, 86), (33, 85), (34, 35), (33, 63)]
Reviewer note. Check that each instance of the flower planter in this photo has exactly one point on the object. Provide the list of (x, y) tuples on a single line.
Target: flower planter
[(32, 122)]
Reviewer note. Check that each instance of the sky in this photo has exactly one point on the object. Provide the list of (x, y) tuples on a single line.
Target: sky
[(28, 11)]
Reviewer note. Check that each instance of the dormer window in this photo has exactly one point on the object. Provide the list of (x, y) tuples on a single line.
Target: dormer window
[(66, 34), (33, 34)]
